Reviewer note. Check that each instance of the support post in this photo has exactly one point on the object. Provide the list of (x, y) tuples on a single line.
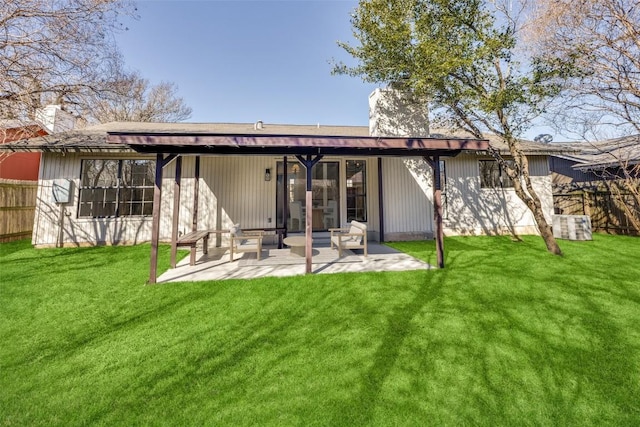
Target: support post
[(434, 162), (380, 200), (285, 196), (155, 225), (308, 163), (196, 193), (176, 211), (194, 219), (155, 221)]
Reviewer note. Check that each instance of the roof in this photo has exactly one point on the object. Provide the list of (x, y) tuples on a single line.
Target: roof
[(241, 138), (11, 130), (95, 138), (530, 148), (603, 154)]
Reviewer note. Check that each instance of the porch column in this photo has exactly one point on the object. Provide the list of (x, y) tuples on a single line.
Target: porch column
[(380, 200), (176, 211), (161, 161), (308, 163), (196, 193), (434, 162), (285, 197)]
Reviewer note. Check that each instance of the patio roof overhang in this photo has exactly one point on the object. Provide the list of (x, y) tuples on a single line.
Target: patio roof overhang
[(251, 144), (308, 149)]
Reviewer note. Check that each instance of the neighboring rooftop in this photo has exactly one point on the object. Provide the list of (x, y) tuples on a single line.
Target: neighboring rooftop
[(602, 154)]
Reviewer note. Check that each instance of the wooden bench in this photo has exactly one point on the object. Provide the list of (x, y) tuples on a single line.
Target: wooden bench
[(353, 237), (191, 240)]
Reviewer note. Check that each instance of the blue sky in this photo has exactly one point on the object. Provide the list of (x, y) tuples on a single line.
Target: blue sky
[(243, 61)]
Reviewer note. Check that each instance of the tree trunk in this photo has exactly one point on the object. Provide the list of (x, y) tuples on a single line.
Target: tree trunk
[(546, 232), (520, 175), (531, 199)]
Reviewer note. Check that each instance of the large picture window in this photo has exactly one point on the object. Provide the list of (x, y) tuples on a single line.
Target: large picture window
[(112, 188), (492, 176)]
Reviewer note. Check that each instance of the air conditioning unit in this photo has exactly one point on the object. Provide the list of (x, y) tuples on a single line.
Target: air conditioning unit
[(572, 227)]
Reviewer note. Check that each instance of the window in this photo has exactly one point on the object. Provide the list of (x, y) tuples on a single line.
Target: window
[(112, 188), (356, 190), (492, 176)]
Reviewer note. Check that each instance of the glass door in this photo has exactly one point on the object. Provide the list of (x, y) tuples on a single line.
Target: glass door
[(292, 188)]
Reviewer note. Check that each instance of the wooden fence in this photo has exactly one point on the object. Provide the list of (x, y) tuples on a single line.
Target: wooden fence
[(606, 214), (17, 209)]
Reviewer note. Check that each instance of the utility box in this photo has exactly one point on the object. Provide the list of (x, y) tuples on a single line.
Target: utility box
[(572, 227), (62, 191)]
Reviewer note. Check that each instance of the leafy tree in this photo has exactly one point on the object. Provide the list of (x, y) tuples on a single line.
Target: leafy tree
[(464, 56)]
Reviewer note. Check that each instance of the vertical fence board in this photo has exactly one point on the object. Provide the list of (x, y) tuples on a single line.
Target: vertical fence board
[(17, 208)]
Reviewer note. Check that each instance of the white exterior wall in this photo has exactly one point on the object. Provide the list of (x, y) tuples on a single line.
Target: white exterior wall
[(233, 190), (473, 210), (80, 231), (407, 194)]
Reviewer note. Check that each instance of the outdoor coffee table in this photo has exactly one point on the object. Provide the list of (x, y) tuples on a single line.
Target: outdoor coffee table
[(297, 244)]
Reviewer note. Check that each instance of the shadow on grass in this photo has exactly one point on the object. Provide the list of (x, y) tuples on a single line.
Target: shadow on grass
[(505, 335)]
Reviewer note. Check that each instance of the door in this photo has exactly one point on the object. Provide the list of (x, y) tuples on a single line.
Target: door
[(292, 187)]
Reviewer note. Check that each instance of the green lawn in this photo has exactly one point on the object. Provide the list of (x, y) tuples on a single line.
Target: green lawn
[(505, 335)]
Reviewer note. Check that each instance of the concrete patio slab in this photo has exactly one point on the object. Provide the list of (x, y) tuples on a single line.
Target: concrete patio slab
[(280, 262)]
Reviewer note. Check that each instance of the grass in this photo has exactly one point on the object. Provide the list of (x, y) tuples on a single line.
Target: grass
[(505, 335)]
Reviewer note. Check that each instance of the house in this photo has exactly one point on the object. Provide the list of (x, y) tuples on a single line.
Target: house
[(602, 180), (96, 185), (21, 166), (19, 170), (24, 166)]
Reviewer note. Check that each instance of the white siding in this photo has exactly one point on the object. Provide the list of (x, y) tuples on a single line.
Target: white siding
[(78, 230), (407, 196), (474, 210), (233, 190)]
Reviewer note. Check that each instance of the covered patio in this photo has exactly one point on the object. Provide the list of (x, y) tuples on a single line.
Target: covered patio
[(276, 262), (308, 150)]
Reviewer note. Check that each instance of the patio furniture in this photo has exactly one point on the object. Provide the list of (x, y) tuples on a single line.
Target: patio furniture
[(191, 240), (352, 237), (245, 241), (279, 232), (297, 244)]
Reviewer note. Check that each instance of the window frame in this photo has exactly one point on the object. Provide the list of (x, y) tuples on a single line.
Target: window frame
[(127, 187), (501, 180), (359, 198)]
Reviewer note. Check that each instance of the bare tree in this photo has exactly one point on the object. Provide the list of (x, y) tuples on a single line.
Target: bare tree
[(617, 165), (56, 49), (597, 44), (133, 98)]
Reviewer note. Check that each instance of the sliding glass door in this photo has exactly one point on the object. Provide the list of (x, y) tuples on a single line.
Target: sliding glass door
[(291, 190)]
